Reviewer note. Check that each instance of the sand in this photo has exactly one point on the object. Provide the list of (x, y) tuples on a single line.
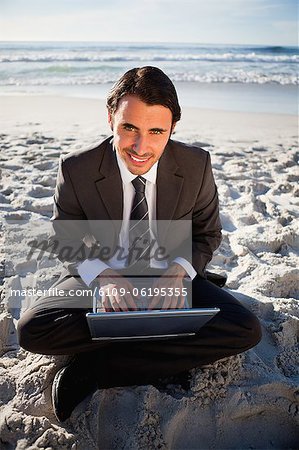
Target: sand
[(250, 401)]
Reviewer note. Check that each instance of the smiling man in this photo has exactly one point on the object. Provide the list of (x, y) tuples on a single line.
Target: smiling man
[(137, 174), (140, 132)]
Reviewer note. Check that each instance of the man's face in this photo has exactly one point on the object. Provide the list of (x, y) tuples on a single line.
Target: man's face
[(140, 132)]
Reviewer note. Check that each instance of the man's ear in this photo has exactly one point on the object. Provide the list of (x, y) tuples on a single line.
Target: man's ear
[(173, 127), (110, 120)]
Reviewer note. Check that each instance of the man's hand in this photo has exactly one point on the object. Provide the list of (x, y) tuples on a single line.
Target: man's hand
[(170, 283), (116, 292)]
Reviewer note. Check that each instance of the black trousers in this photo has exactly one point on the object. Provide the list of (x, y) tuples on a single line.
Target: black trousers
[(54, 326)]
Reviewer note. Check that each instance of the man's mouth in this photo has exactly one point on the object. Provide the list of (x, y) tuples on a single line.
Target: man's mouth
[(138, 160)]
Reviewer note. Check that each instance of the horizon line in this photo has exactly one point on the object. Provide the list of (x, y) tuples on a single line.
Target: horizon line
[(146, 42)]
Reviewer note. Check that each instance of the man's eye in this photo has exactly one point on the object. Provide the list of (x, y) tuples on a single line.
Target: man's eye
[(156, 132), (128, 128)]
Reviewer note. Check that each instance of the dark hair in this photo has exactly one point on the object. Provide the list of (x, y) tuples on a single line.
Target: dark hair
[(148, 83)]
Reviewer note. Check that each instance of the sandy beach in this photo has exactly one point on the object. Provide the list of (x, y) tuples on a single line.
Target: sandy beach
[(245, 402)]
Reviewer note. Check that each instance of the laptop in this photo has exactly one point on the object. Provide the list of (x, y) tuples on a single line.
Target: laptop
[(148, 325)]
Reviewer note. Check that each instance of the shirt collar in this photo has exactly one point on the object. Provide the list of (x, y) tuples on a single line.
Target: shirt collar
[(127, 177)]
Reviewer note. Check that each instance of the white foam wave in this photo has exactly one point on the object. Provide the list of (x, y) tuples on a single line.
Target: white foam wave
[(210, 77), (114, 57)]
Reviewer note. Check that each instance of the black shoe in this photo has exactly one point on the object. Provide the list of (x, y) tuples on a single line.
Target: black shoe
[(71, 385)]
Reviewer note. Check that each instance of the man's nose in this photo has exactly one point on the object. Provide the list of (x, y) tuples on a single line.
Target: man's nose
[(140, 145)]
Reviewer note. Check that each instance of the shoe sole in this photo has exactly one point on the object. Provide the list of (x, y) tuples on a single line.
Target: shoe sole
[(54, 393)]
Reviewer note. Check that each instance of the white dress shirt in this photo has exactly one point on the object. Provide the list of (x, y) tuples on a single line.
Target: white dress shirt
[(90, 269)]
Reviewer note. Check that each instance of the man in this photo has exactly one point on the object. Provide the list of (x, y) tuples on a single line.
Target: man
[(99, 184)]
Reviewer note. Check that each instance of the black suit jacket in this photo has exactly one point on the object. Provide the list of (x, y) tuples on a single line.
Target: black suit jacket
[(89, 188)]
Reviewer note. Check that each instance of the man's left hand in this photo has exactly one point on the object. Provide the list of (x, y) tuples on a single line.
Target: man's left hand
[(170, 283)]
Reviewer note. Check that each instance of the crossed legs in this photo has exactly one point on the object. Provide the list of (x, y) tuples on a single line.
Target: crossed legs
[(56, 326)]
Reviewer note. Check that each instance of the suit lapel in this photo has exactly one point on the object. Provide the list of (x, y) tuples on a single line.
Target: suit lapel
[(109, 184), (169, 187)]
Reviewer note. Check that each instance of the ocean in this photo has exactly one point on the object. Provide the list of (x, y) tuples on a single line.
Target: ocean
[(246, 78)]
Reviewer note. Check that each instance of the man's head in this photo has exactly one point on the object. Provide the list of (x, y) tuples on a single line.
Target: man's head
[(143, 109)]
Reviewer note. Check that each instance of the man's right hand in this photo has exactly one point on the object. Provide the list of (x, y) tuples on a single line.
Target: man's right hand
[(116, 292)]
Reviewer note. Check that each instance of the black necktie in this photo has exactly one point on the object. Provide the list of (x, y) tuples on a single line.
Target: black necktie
[(139, 232)]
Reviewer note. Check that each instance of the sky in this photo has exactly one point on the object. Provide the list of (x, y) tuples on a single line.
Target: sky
[(266, 22)]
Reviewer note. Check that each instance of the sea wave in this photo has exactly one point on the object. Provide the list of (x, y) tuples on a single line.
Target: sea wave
[(61, 63), (273, 49), (106, 77), (94, 57)]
